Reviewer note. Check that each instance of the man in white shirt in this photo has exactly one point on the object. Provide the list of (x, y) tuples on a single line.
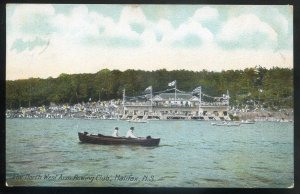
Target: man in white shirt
[(116, 132), (130, 133)]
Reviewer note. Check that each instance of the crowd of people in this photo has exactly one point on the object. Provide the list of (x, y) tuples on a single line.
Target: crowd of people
[(113, 110), (100, 110)]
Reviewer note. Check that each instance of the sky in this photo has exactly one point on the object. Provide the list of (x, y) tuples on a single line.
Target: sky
[(45, 40)]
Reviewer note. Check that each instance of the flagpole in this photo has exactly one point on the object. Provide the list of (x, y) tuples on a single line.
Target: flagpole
[(151, 99), (175, 91), (199, 100), (123, 102), (227, 97)]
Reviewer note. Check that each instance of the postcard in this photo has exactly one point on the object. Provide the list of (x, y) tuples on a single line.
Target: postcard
[(123, 95)]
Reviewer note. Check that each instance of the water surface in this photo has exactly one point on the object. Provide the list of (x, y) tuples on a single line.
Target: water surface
[(41, 152)]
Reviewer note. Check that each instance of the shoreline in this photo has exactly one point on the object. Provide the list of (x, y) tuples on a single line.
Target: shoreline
[(257, 116), (108, 112)]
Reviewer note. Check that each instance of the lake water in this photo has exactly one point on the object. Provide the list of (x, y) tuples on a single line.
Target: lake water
[(41, 152)]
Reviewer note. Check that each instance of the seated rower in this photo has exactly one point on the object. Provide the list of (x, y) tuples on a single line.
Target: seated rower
[(116, 132), (130, 133)]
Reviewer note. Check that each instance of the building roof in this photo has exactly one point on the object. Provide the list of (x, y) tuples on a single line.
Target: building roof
[(171, 96)]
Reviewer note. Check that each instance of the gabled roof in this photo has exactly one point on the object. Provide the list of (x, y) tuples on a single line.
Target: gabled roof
[(157, 98), (194, 99)]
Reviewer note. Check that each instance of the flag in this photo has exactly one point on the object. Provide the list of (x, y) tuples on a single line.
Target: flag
[(196, 90), (148, 89), (172, 83)]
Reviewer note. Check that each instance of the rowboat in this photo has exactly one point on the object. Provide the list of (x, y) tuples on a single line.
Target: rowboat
[(247, 122), (109, 140), (228, 124), (137, 121)]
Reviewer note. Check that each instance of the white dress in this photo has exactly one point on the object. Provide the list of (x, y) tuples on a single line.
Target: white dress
[(130, 134), (116, 133)]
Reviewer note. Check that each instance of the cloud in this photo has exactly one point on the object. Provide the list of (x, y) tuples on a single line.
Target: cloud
[(82, 26), (47, 42), (33, 24), (189, 41), (19, 45), (29, 27), (247, 31), (282, 26), (192, 34), (206, 13), (133, 27), (137, 27), (163, 29), (32, 19), (80, 23), (132, 14), (104, 30)]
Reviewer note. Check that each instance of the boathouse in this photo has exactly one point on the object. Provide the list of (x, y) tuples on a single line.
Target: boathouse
[(176, 105)]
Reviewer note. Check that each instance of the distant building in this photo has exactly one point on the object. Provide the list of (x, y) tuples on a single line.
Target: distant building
[(184, 106)]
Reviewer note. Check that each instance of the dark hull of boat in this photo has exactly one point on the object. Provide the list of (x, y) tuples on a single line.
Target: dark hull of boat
[(109, 140)]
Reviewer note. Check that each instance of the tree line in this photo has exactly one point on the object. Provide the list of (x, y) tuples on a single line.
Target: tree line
[(267, 87)]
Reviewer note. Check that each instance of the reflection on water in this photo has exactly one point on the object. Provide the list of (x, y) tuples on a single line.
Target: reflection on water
[(191, 154)]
